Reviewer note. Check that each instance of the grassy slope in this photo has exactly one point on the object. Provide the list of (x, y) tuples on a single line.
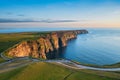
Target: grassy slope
[(38, 71), (116, 65), (1, 60), (8, 40), (112, 66), (86, 76), (47, 71), (44, 71)]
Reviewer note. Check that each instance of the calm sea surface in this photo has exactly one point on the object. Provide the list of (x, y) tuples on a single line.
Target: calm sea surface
[(100, 46)]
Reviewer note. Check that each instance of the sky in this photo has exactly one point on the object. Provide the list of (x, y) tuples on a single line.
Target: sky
[(60, 13)]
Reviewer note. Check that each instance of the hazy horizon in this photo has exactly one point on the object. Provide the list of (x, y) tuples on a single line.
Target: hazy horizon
[(60, 13)]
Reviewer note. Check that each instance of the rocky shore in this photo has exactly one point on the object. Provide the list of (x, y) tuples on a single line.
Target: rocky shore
[(44, 45)]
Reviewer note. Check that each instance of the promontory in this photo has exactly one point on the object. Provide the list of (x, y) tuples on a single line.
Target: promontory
[(44, 45)]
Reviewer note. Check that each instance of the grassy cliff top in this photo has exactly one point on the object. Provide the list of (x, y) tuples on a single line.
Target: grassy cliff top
[(8, 40)]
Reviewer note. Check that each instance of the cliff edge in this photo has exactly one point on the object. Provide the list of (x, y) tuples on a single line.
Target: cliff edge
[(44, 45)]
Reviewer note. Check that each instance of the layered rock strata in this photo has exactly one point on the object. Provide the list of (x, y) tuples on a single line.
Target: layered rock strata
[(41, 47)]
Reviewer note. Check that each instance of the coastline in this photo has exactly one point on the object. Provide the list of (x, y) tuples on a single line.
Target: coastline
[(77, 63), (44, 46), (115, 65), (21, 62)]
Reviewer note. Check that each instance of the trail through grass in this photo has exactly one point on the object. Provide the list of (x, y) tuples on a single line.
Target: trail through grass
[(48, 71)]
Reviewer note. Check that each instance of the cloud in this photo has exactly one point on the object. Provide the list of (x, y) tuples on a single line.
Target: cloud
[(9, 13), (14, 20), (57, 21), (2, 20)]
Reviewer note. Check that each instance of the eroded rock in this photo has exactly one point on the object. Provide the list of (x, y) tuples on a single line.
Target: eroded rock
[(45, 44)]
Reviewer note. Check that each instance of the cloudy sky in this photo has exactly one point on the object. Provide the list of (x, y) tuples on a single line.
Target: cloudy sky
[(59, 13)]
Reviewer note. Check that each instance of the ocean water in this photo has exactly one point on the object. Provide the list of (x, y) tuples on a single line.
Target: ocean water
[(100, 47)]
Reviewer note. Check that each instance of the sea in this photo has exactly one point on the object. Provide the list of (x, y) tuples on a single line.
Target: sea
[(99, 46)]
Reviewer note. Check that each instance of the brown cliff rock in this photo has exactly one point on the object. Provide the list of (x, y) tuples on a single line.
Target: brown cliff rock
[(23, 49), (54, 40), (45, 44)]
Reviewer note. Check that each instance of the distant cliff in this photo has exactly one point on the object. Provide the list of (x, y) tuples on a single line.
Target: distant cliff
[(41, 47)]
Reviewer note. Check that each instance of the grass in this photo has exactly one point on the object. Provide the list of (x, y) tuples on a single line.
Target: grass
[(104, 74), (48, 71), (37, 71), (87, 76), (10, 74), (117, 65), (1, 60), (9, 40)]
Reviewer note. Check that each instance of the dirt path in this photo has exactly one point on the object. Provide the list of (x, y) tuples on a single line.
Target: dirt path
[(77, 66), (5, 58), (15, 63), (7, 66)]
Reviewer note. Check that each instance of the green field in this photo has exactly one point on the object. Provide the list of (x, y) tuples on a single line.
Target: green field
[(9, 40), (116, 65), (1, 60), (48, 71)]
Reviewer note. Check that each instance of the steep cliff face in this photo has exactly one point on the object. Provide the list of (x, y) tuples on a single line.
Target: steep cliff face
[(41, 47)]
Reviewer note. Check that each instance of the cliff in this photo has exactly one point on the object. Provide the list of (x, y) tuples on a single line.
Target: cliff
[(44, 45)]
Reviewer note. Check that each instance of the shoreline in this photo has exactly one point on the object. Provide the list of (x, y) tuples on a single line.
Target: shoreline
[(116, 65), (21, 62), (44, 45)]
